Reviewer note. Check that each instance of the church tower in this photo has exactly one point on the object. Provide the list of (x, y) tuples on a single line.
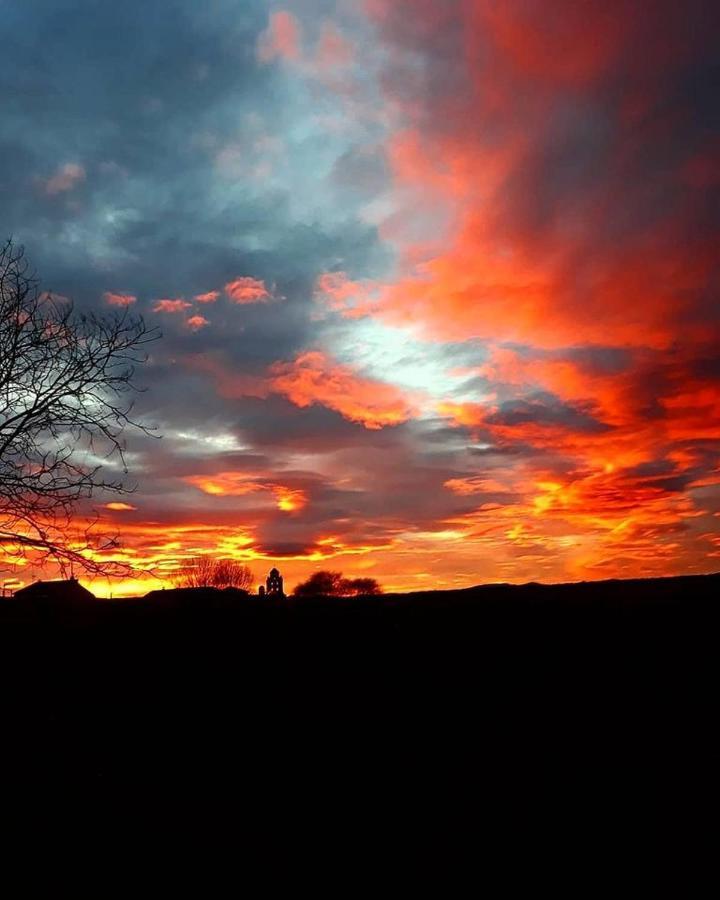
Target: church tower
[(274, 585)]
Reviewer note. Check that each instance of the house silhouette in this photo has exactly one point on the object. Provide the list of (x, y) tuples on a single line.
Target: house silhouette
[(64, 592)]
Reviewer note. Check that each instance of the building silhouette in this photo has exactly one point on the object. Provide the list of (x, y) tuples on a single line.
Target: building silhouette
[(67, 592), (274, 584)]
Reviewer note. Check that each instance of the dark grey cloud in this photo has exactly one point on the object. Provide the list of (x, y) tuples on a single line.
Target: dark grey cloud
[(544, 409)]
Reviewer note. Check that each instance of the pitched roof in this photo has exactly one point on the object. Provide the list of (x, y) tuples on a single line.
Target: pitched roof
[(64, 589)]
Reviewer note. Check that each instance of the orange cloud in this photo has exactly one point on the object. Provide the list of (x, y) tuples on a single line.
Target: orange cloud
[(314, 378), (240, 484), (195, 323), (209, 297), (118, 506), (287, 499), (468, 414), (247, 290), (171, 306)]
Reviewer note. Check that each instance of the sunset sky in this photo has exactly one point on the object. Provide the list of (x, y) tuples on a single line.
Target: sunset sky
[(437, 279)]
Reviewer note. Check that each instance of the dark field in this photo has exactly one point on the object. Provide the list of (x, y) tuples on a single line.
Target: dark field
[(518, 710)]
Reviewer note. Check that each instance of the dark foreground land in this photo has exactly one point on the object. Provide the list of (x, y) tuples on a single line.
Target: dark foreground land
[(511, 710)]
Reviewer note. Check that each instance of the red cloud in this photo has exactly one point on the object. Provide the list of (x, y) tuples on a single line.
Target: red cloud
[(281, 39), (245, 290), (171, 306), (550, 43), (119, 299), (562, 222), (314, 378), (209, 297)]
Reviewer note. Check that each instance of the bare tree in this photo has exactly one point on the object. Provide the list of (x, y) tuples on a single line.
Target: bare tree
[(66, 383), (204, 571)]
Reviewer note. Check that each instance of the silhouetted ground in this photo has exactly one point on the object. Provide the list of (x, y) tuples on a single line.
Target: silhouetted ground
[(545, 712)]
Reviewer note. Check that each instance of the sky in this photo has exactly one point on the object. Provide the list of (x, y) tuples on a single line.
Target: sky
[(437, 279)]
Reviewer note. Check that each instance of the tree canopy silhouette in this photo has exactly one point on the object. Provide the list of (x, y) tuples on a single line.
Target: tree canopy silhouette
[(66, 384), (332, 584), (203, 571)]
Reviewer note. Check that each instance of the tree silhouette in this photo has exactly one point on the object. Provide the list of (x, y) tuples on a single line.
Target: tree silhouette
[(320, 584), (203, 571), (332, 584), (351, 587), (66, 380)]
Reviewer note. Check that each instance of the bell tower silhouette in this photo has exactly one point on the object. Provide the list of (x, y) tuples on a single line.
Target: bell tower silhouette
[(274, 584)]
